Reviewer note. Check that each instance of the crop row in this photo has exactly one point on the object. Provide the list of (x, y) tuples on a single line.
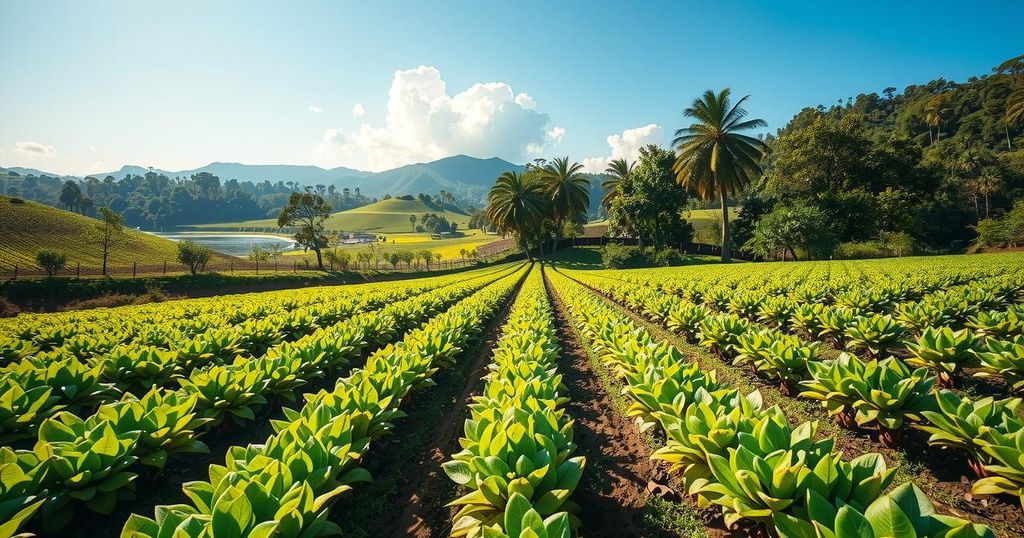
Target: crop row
[(517, 453), (733, 452), (211, 323), (285, 486), (38, 387), (89, 462), (884, 395)]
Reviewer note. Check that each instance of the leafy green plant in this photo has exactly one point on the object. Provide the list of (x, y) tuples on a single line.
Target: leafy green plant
[(880, 394), (84, 463), (721, 333), (166, 422), (961, 424), (904, 511), (996, 324), (139, 368), (227, 393), (20, 485), (876, 333), (1006, 470), (21, 410), (1004, 359), (945, 351), (685, 319)]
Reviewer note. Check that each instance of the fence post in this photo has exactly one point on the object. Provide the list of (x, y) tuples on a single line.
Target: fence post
[(332, 265), (78, 269), (231, 267), (275, 265), (134, 268), (165, 267), (257, 267), (15, 272)]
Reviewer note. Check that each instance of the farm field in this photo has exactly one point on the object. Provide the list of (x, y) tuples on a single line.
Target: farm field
[(538, 399), (29, 227), (448, 248), (383, 217)]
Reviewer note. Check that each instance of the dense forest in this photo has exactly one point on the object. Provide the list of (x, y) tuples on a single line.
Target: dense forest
[(155, 202), (919, 167)]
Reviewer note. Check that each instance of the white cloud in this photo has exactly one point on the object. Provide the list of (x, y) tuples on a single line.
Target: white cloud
[(34, 150), (625, 146), (99, 166), (358, 110), (315, 109), (554, 135), (424, 122)]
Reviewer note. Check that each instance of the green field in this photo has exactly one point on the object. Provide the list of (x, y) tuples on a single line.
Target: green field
[(383, 217), (28, 227)]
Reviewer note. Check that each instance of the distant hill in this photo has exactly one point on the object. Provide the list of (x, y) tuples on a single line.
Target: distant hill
[(257, 173), (27, 227), (465, 176), (385, 216)]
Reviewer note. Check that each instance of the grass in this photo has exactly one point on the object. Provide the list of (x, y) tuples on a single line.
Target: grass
[(383, 217), (700, 215), (448, 248), (28, 227)]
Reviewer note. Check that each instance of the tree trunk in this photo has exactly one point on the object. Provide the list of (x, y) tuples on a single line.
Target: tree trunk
[(986, 205), (104, 261), (319, 259), (726, 254), (558, 234), (793, 252), (1006, 129), (930, 139)]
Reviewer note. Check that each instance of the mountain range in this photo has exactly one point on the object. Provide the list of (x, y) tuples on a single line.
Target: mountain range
[(465, 176)]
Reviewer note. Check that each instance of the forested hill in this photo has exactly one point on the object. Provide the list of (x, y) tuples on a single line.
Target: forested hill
[(924, 164)]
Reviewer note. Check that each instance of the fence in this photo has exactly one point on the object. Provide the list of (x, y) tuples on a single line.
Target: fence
[(692, 248), (282, 265)]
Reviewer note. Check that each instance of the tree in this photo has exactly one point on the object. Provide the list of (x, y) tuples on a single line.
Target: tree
[(85, 205), (193, 255), (937, 110), (412, 221), (51, 261), (111, 228), (515, 204), (788, 228), (407, 256), (308, 212), (618, 169), (394, 258), (568, 191), (364, 257), (258, 253), (713, 157), (649, 202), (70, 195), (340, 257)]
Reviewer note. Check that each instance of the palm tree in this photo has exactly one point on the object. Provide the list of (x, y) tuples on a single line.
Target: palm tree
[(514, 204), (619, 169), (712, 157), (568, 190), (1014, 112)]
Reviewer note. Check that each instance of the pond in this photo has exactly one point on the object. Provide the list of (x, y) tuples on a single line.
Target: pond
[(234, 244)]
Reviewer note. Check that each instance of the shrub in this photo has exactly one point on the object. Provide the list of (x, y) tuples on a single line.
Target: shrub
[(193, 255), (668, 257), (51, 261), (622, 257)]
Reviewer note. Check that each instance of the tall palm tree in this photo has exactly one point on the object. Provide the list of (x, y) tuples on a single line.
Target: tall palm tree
[(619, 169), (567, 189), (1014, 112), (514, 204), (713, 157)]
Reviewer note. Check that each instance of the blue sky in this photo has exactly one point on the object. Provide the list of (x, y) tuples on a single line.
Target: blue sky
[(90, 86)]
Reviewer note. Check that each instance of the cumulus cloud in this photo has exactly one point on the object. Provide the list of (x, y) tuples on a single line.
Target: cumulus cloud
[(358, 110), (315, 109), (424, 122), (34, 150), (625, 145)]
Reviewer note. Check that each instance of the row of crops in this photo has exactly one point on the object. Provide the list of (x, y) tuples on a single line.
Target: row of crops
[(82, 423)]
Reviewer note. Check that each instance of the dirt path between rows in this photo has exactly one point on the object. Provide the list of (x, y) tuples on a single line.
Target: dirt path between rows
[(416, 504), (613, 492)]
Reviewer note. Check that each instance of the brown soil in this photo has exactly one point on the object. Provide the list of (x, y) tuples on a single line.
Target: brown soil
[(613, 491), (407, 467), (944, 475), (429, 489)]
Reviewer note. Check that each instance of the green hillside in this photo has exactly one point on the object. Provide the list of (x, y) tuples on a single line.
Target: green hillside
[(385, 216), (28, 227)]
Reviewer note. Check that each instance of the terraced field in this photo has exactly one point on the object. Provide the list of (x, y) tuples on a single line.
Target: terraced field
[(809, 399)]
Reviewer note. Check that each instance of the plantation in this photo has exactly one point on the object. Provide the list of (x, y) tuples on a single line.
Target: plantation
[(802, 399)]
